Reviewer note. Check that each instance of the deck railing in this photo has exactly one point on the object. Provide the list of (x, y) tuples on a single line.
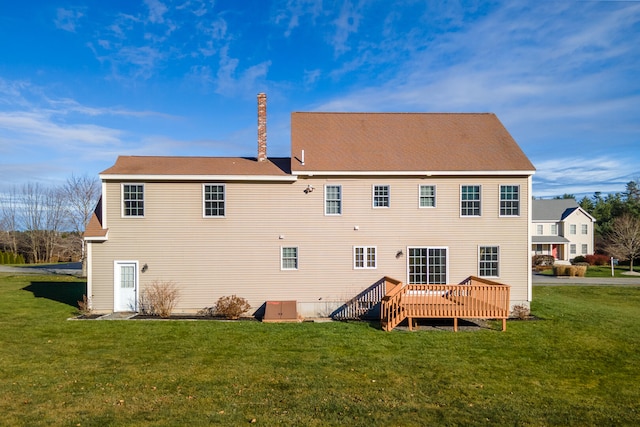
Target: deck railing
[(474, 298)]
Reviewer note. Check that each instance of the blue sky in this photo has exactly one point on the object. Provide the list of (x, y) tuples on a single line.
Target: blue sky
[(84, 81)]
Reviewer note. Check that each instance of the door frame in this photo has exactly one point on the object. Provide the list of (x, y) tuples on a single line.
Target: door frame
[(116, 283), (446, 248)]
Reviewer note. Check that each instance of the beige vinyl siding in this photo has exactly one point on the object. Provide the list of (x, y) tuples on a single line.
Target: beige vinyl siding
[(240, 253)]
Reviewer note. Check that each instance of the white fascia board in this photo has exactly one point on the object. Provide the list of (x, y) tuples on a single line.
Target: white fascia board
[(145, 178), (97, 239), (414, 173)]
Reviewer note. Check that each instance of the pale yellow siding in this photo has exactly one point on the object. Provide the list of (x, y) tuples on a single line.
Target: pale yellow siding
[(240, 253)]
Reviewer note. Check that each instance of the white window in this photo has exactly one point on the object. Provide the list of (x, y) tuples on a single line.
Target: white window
[(364, 257), (488, 261), (540, 228), (133, 200), (427, 266), (572, 229), (584, 249), (289, 258), (427, 196), (509, 200), (380, 196), (584, 228), (470, 200), (572, 249), (554, 229), (333, 200), (213, 200)]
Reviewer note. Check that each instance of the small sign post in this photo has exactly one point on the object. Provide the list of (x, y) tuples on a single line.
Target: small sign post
[(613, 262)]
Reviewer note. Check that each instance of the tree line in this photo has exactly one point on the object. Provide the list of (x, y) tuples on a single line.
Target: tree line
[(45, 223), (617, 227)]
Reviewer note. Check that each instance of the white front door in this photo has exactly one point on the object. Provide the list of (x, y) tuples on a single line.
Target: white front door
[(125, 286)]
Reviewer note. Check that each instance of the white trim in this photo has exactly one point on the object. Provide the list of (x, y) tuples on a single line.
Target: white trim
[(157, 177), (144, 198), (529, 240), (460, 200), (104, 205), (446, 248), (324, 200), (97, 238), (224, 193), (500, 200), (297, 258), (89, 261), (365, 259), (413, 173), (435, 196), (499, 260), (116, 296), (373, 196)]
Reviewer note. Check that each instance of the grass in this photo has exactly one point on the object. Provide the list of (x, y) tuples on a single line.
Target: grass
[(578, 365)]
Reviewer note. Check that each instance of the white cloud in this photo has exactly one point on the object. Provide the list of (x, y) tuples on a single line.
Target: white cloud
[(67, 19)]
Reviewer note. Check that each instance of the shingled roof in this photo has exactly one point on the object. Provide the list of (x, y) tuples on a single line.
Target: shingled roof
[(403, 142), (197, 166)]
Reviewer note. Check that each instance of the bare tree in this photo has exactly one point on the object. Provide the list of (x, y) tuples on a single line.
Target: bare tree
[(81, 195), (9, 224), (623, 240), (43, 219)]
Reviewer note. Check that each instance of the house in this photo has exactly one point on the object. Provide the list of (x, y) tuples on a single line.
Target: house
[(561, 228), (421, 197)]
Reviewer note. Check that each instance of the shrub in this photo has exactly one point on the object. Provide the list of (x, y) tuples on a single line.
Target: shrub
[(579, 270), (231, 307), (560, 270), (542, 260), (597, 259), (578, 259), (83, 306), (159, 299), (520, 311)]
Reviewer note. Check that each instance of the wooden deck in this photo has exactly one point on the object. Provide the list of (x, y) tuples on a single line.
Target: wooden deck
[(473, 298)]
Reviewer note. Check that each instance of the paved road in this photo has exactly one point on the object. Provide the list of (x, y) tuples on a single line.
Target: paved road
[(70, 269)]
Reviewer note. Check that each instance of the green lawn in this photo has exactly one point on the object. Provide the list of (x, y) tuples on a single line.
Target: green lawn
[(579, 365)]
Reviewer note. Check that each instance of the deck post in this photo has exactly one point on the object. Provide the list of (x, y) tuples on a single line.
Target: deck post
[(455, 324), (504, 324), (410, 320)]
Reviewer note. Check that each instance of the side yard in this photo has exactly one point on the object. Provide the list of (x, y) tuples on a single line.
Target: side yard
[(577, 365)]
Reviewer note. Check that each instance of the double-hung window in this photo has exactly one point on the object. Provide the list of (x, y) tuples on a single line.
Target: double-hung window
[(427, 196), (333, 200), (584, 249), (584, 228), (214, 200), (289, 258), (380, 196), (133, 200), (572, 229), (509, 200), (540, 229), (572, 249), (488, 261), (470, 200), (364, 257), (554, 229)]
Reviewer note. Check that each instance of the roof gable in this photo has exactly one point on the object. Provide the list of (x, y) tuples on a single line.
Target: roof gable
[(555, 209), (388, 142)]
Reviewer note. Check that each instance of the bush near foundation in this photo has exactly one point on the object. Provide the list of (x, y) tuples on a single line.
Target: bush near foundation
[(231, 307), (159, 299)]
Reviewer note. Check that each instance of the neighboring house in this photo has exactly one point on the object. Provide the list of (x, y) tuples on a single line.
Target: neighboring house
[(561, 228), (423, 198)]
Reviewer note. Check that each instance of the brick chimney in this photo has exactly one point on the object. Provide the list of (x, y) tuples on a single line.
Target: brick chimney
[(262, 127)]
